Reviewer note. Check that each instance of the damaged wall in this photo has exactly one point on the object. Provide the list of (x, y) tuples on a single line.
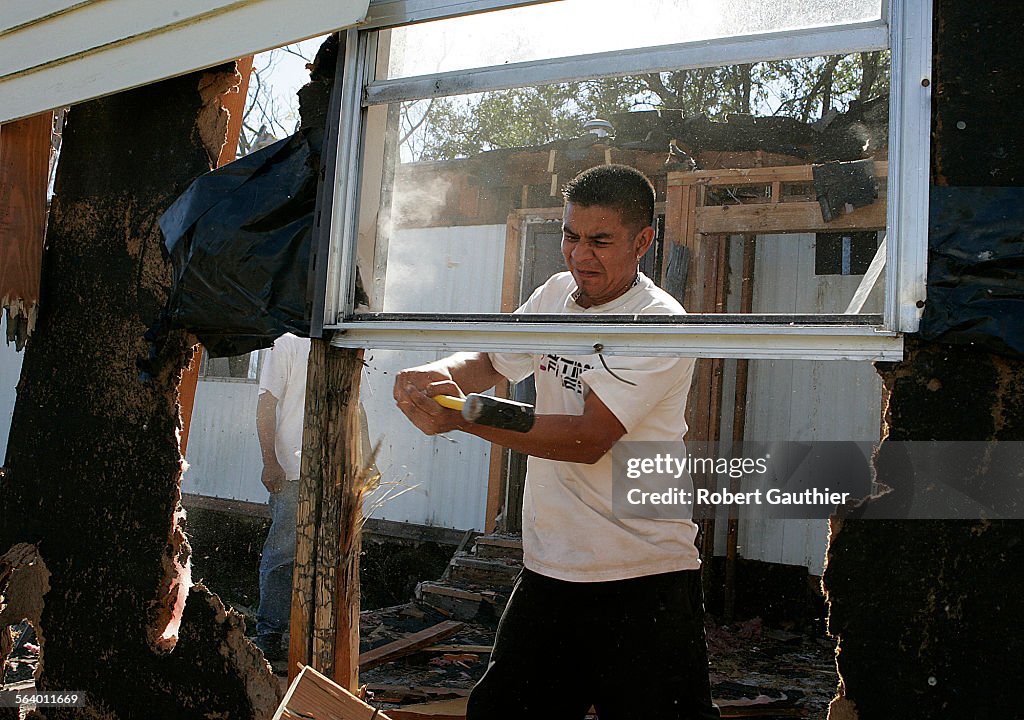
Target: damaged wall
[(93, 468), (926, 612)]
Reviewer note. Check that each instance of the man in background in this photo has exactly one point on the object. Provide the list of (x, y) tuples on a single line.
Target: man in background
[(279, 415)]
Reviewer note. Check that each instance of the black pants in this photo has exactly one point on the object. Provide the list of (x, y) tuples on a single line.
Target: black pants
[(631, 648)]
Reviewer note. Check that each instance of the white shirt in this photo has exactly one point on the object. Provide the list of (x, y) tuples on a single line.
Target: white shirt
[(284, 376), (569, 530)]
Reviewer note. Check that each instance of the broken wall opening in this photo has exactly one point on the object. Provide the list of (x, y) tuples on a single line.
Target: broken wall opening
[(936, 604), (472, 237)]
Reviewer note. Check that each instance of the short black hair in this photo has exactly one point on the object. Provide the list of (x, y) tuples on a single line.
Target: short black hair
[(619, 187)]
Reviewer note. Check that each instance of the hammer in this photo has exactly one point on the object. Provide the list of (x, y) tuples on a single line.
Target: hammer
[(491, 411)]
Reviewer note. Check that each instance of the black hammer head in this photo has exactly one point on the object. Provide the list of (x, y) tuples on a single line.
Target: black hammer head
[(499, 413)]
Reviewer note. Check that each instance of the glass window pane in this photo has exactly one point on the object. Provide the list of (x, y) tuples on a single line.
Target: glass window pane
[(237, 367), (578, 27), (753, 167)]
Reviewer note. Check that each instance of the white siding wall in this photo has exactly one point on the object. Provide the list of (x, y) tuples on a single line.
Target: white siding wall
[(799, 399), (10, 371), (223, 451), (60, 52), (444, 270)]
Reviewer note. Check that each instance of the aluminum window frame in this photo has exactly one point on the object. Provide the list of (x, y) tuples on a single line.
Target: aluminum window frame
[(904, 28)]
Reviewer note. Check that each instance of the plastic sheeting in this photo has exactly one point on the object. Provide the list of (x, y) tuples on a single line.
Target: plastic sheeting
[(239, 240), (976, 268)]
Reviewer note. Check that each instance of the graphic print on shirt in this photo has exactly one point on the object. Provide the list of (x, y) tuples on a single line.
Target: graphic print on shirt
[(566, 371)]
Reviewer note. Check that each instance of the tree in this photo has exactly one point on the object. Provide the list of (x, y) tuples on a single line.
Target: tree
[(806, 89), (271, 106)]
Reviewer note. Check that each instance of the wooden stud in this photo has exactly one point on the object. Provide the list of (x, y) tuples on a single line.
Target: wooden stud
[(496, 470), (739, 420), (187, 395), (234, 102), (325, 597), (24, 174)]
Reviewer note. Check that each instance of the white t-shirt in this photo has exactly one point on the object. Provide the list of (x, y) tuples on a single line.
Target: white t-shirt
[(569, 530), (284, 376)]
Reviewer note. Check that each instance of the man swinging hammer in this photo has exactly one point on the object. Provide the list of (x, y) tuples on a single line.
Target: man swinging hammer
[(607, 612)]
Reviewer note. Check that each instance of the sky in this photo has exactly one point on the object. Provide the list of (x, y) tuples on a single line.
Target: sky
[(575, 27), (284, 73)]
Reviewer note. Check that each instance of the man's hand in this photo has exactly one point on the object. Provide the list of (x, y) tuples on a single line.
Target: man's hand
[(273, 476), (414, 392)]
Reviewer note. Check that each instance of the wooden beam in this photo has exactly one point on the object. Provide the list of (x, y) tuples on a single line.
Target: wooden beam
[(704, 289), (409, 644), (325, 594), (751, 176), (413, 531), (24, 174), (793, 217), (510, 282)]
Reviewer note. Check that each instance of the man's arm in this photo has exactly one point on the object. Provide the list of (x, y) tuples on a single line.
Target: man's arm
[(472, 372), (266, 429), (569, 438)]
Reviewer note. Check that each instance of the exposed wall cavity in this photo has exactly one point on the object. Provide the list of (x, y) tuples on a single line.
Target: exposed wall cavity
[(93, 469), (926, 612)]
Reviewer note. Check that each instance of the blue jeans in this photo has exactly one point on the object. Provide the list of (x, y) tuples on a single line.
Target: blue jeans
[(277, 562)]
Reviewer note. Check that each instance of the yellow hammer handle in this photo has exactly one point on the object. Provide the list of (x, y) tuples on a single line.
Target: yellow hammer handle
[(448, 401)]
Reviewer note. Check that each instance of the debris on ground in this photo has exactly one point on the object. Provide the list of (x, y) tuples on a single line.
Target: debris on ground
[(424, 656), (756, 672)]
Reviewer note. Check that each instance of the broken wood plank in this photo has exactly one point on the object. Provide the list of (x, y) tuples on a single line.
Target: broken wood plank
[(762, 712), (438, 710), (234, 102), (460, 648), (409, 644), (761, 706), (413, 693), (314, 695)]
